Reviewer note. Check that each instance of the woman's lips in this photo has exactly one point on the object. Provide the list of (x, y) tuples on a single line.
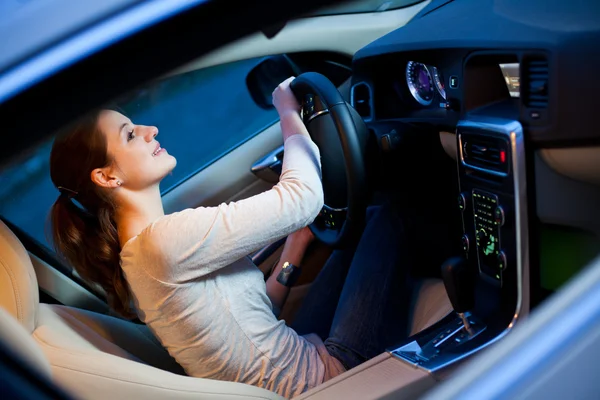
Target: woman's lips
[(157, 150)]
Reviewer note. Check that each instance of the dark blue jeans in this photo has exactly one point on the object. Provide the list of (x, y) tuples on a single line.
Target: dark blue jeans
[(359, 302)]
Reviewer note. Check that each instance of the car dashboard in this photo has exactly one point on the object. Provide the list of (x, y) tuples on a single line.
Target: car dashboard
[(495, 74)]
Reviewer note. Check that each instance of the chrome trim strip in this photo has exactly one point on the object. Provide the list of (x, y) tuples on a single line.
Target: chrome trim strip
[(450, 335), (325, 206), (267, 161), (317, 114), (89, 41), (514, 131), (370, 117)]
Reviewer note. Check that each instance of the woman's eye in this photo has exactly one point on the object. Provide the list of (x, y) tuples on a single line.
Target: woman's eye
[(130, 136)]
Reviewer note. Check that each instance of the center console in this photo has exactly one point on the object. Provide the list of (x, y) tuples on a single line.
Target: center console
[(487, 284)]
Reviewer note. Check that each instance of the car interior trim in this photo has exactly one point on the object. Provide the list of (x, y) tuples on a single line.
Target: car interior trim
[(368, 117), (65, 290), (316, 33), (579, 163)]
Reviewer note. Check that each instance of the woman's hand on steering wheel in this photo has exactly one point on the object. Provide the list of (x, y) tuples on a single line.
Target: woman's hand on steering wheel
[(284, 99)]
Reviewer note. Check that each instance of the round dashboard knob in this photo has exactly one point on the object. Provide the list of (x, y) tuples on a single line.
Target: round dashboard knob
[(462, 202), (499, 215), (501, 261), (465, 243), (481, 234)]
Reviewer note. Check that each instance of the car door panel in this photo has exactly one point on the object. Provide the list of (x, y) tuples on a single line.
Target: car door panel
[(227, 179)]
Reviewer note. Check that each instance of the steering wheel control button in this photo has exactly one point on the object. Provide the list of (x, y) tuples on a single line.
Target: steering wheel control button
[(465, 243), (501, 261), (308, 107), (499, 215), (453, 82), (332, 218), (330, 221)]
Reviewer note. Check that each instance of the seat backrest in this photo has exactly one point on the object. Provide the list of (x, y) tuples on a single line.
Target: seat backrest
[(18, 284), (16, 338)]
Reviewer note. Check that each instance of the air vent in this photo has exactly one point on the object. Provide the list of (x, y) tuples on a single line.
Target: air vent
[(485, 153), (535, 88), (361, 100)]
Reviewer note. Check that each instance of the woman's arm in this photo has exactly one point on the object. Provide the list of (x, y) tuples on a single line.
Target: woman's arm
[(293, 252), (289, 110), (196, 242)]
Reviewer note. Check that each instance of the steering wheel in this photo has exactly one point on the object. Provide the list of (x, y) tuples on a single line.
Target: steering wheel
[(342, 136)]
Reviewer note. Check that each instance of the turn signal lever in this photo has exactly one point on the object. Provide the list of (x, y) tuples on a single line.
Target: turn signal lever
[(460, 286)]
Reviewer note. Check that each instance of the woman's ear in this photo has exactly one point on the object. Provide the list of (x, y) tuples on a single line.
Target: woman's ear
[(103, 178)]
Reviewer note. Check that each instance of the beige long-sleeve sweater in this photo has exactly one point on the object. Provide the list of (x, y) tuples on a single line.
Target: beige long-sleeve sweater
[(194, 287)]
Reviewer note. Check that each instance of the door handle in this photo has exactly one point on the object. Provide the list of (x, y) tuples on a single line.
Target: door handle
[(268, 168)]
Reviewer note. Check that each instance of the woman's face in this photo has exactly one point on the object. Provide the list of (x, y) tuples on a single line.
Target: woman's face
[(138, 159)]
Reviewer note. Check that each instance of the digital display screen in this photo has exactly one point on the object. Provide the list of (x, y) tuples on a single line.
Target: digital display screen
[(511, 76), (487, 233)]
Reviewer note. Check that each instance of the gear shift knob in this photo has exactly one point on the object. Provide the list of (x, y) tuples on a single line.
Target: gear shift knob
[(460, 284)]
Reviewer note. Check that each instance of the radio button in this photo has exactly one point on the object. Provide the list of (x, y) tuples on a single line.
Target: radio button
[(501, 261), (499, 215), (462, 202), (465, 243)]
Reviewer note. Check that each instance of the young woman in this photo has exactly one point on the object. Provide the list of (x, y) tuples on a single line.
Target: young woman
[(186, 274)]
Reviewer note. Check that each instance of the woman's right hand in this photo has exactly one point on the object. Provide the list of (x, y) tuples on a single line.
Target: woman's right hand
[(284, 99), (302, 237)]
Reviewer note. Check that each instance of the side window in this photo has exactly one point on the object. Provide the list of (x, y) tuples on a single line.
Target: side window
[(201, 116)]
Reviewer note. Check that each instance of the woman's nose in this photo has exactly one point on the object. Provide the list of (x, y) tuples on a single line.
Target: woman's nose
[(150, 132)]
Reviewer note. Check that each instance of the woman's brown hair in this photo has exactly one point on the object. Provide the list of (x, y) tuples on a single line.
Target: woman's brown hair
[(85, 234)]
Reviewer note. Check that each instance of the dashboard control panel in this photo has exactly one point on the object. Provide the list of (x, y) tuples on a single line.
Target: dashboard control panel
[(487, 234)]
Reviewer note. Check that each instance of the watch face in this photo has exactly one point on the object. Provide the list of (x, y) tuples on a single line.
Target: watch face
[(289, 274)]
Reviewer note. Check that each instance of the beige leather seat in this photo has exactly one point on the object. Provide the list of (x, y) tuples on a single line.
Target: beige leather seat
[(93, 356)]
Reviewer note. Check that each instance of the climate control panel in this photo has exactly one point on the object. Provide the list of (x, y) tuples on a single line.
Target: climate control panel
[(488, 216)]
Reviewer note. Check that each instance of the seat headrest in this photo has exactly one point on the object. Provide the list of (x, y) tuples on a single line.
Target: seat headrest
[(18, 283)]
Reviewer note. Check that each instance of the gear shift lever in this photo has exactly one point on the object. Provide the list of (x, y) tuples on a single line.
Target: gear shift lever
[(460, 286), (449, 337)]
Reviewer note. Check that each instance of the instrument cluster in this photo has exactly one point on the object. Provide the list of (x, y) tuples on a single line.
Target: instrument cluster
[(425, 83)]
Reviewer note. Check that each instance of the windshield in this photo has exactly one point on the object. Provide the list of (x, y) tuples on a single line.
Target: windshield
[(363, 6)]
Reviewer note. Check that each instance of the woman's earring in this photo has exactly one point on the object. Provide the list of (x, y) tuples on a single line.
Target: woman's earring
[(119, 183)]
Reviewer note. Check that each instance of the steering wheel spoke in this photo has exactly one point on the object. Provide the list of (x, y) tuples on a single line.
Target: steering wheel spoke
[(341, 135), (331, 218)]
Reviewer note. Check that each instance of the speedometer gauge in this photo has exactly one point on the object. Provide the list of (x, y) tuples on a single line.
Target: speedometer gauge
[(439, 82), (419, 82)]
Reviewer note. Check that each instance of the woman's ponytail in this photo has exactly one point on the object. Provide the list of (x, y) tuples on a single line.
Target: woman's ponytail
[(82, 224)]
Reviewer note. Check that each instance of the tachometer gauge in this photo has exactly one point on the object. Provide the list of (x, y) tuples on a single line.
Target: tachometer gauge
[(419, 82), (438, 78)]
